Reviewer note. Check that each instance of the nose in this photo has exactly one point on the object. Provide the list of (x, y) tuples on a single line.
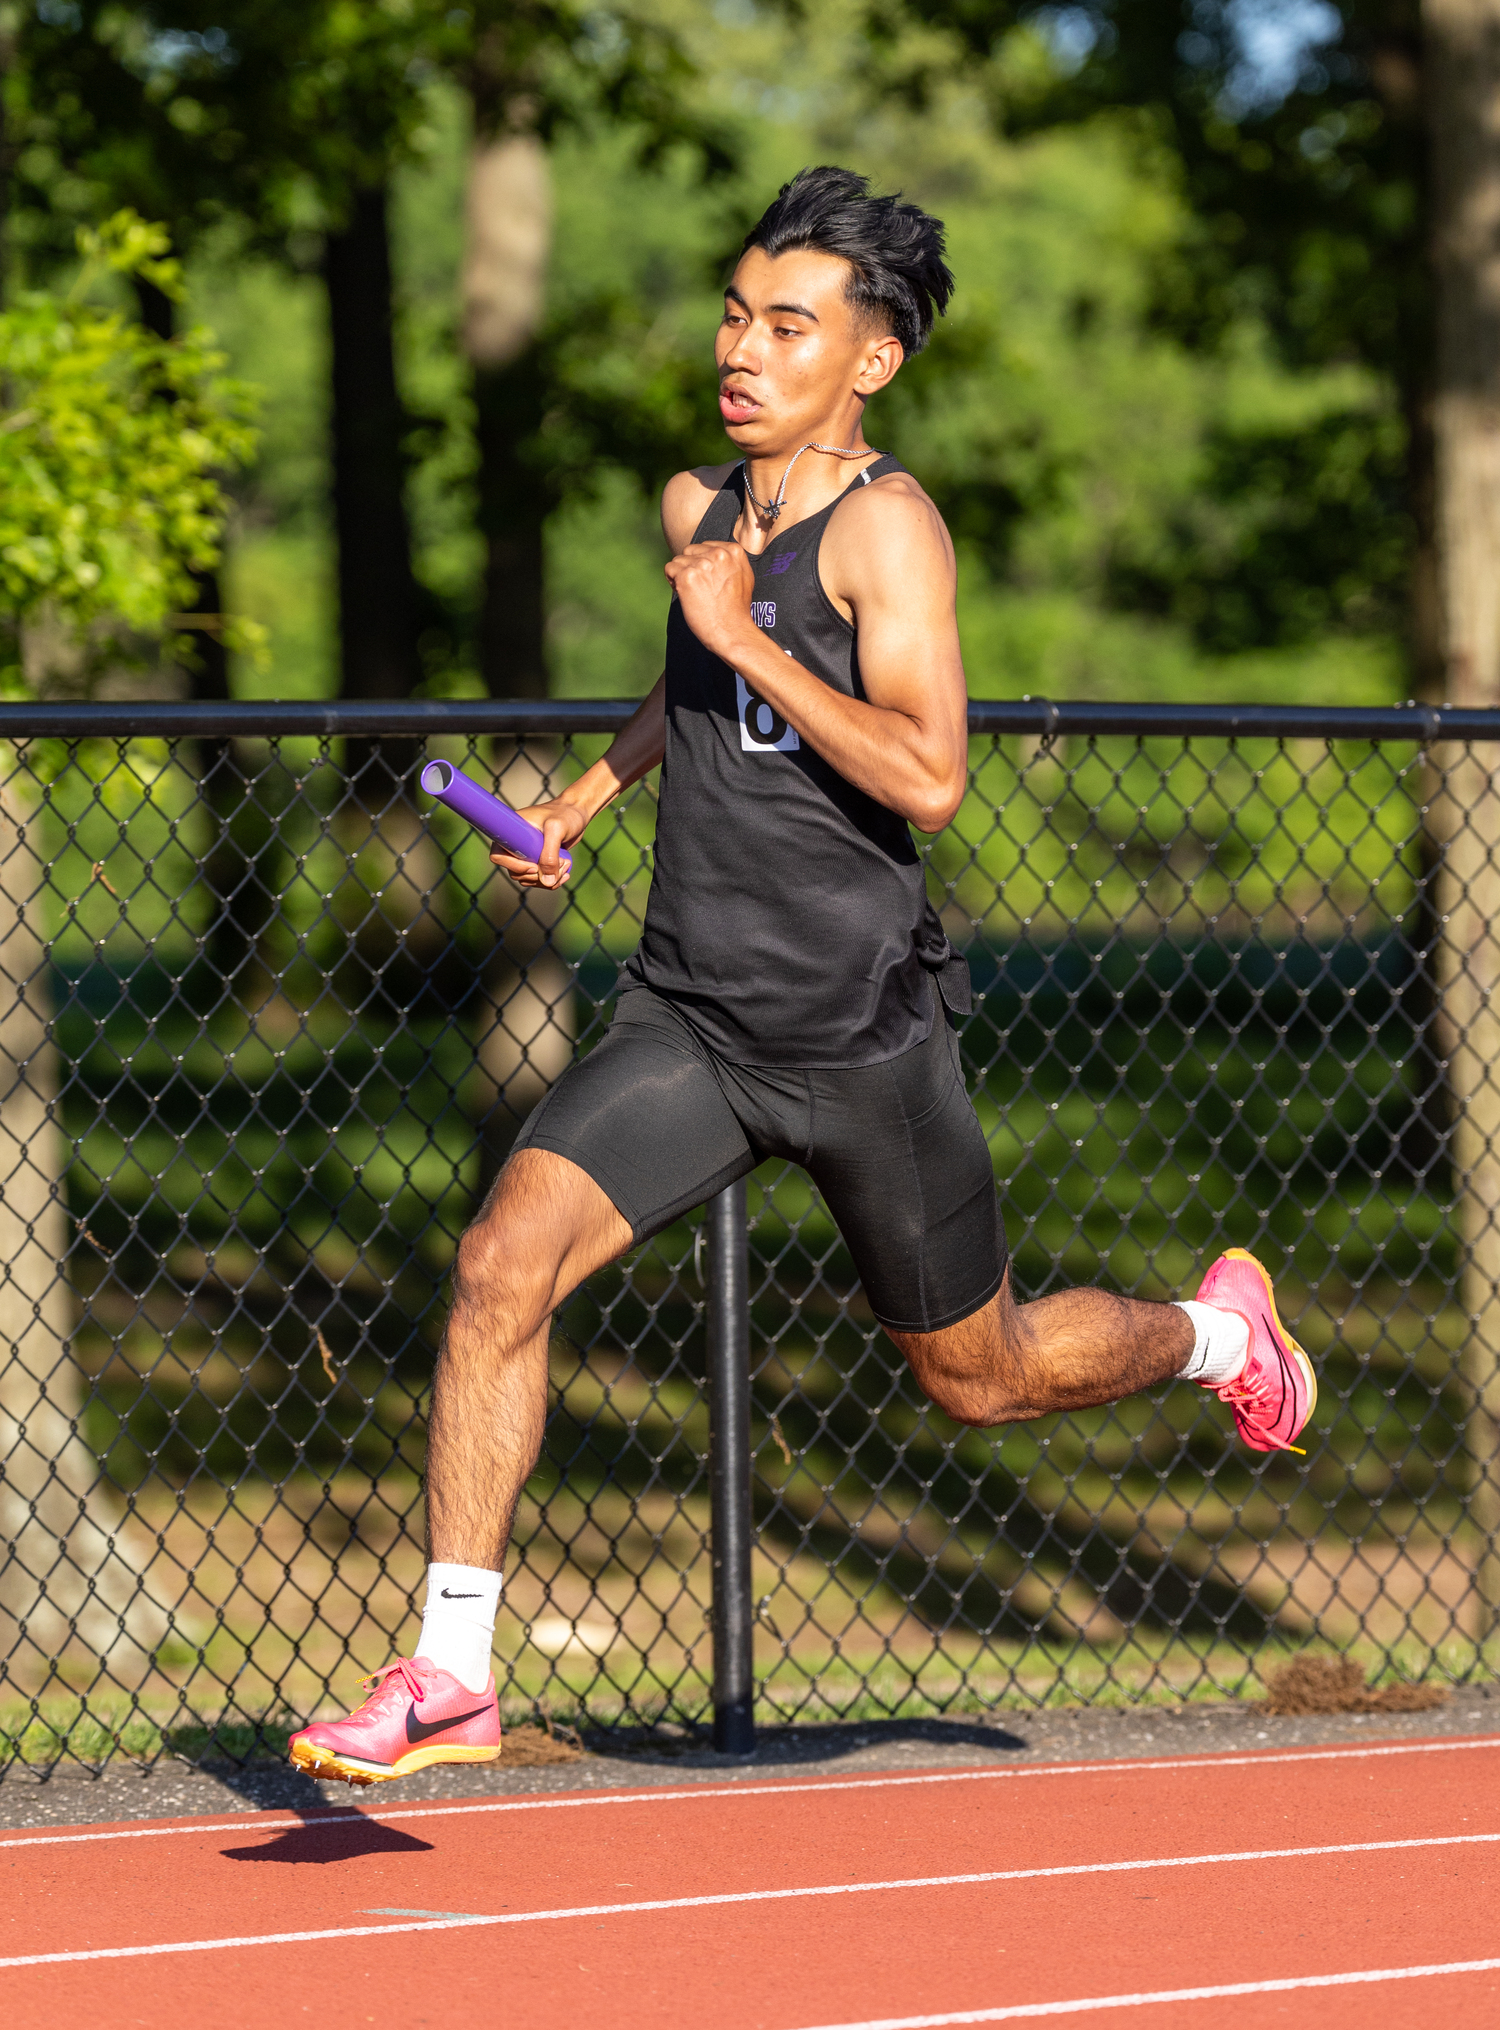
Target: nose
[(740, 358)]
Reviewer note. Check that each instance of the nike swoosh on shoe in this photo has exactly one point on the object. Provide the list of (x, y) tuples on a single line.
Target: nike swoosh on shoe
[(385, 1737), (423, 1730)]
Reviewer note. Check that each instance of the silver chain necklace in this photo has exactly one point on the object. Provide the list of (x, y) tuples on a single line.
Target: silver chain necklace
[(771, 510)]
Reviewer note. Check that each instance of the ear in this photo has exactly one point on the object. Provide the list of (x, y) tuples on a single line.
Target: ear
[(879, 366)]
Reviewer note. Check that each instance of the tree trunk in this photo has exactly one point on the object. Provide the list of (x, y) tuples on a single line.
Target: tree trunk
[(7, 150), (508, 221), (377, 596), (507, 238), (236, 874), (524, 1028), (208, 672), (69, 1575), (1463, 68), (513, 508), (379, 655), (1425, 1149)]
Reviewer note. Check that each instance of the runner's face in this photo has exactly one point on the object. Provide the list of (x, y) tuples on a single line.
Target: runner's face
[(793, 360)]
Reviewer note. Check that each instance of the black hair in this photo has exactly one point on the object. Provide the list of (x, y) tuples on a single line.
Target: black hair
[(898, 277)]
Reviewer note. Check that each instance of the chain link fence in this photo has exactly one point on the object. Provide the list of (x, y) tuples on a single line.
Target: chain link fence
[(268, 1025)]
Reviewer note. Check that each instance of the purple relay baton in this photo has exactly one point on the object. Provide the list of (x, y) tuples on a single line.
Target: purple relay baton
[(484, 812)]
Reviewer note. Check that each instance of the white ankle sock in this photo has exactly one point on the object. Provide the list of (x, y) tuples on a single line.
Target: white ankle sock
[(458, 1622), (1221, 1344)]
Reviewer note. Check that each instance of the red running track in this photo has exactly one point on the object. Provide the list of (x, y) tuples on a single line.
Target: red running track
[(1187, 1893)]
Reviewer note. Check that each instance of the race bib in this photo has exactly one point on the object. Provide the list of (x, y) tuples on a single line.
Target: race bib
[(762, 728)]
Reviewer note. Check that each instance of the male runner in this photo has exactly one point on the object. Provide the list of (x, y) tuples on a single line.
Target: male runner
[(793, 991)]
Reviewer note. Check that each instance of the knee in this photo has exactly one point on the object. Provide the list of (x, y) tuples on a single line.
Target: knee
[(969, 1394), (475, 1264), (979, 1403), (977, 1371), (494, 1283)]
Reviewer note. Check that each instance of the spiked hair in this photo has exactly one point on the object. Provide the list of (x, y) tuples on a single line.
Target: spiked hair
[(898, 278)]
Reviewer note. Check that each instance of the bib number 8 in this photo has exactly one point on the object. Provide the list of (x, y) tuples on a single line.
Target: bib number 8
[(762, 728)]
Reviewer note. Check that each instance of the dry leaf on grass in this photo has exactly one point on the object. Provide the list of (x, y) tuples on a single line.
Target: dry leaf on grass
[(531, 1747), (1336, 1684)]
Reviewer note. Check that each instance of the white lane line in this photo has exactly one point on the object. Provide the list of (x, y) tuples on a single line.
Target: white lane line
[(116, 1952), (141, 1952), (1020, 2012), (453, 1916), (752, 1788)]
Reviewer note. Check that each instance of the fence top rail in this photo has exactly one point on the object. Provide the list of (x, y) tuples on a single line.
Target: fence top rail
[(429, 717)]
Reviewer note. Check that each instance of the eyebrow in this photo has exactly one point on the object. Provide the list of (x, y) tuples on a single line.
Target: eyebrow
[(793, 309)]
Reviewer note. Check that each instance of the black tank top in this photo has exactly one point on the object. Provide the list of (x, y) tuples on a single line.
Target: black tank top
[(788, 918)]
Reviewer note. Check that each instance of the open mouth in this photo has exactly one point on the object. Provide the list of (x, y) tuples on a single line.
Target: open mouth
[(735, 405)]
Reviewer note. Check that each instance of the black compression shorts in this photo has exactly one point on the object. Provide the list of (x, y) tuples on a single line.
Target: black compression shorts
[(661, 1123)]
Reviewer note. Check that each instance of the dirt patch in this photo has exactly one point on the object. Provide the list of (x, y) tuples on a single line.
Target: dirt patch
[(1336, 1684), (532, 1747)]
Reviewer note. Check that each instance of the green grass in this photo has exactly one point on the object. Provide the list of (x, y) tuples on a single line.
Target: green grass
[(91, 1730), (829, 1690)]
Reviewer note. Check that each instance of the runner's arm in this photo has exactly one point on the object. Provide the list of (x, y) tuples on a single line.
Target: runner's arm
[(641, 742), (634, 751), (888, 560)]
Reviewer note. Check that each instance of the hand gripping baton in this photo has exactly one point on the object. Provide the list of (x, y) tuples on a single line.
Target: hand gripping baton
[(484, 812)]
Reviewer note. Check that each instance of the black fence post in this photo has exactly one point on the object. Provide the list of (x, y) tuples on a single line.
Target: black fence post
[(729, 1471)]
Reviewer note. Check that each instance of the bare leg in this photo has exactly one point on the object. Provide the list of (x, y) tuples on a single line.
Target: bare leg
[(544, 1228), (1012, 1361)]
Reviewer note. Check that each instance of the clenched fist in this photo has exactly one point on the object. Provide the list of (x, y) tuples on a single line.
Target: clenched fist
[(716, 583)]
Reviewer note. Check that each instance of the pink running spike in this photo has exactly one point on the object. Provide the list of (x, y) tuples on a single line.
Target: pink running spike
[(1276, 1391), (416, 1715)]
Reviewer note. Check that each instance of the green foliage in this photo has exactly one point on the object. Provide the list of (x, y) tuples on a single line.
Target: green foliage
[(112, 446), (1302, 211), (261, 125), (1169, 444), (1303, 197), (1294, 533), (270, 115), (1137, 514)]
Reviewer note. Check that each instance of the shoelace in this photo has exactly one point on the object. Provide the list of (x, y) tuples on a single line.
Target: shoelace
[(384, 1681), (1255, 1394)]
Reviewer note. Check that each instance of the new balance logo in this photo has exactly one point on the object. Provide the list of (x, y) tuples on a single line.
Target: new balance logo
[(783, 563)]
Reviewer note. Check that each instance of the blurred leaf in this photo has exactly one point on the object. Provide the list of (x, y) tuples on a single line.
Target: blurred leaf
[(112, 448)]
